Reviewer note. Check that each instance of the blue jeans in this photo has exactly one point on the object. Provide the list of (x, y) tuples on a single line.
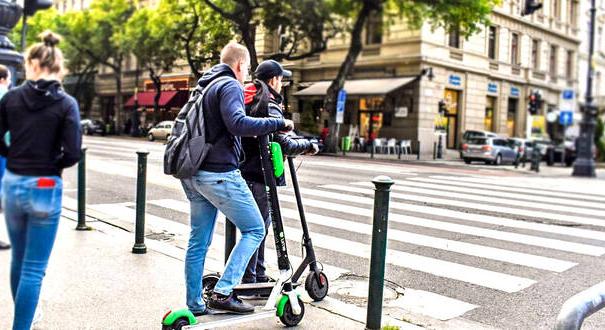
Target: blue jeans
[(209, 192), (32, 209)]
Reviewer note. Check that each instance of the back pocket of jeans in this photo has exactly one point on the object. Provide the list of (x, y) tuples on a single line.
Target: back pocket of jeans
[(44, 197)]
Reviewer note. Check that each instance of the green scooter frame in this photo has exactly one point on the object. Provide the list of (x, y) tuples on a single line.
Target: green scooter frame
[(283, 301)]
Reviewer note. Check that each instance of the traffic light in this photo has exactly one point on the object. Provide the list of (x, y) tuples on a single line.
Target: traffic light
[(535, 103), (530, 7), (30, 7), (442, 108)]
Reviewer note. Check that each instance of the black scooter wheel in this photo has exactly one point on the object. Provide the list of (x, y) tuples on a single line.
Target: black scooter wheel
[(288, 318), (208, 283), (180, 324), (317, 286)]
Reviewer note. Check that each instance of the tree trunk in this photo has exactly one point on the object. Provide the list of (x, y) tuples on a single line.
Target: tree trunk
[(248, 37), (157, 85), (346, 68), (118, 103)]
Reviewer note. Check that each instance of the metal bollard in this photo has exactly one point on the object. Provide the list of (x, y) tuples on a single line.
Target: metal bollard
[(82, 193), (230, 237), (418, 155), (580, 306), (139, 238), (379, 249), (434, 150)]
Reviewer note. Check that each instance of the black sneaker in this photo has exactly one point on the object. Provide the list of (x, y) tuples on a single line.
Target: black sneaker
[(230, 304), (4, 246)]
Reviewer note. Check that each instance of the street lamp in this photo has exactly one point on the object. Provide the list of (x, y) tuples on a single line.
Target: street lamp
[(10, 13), (585, 165)]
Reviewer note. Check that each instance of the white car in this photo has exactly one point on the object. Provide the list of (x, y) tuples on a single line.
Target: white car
[(160, 131)]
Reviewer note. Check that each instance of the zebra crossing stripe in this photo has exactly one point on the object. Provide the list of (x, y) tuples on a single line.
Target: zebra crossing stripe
[(518, 203), (486, 278), (475, 250), (362, 167), (477, 206), (446, 226), (485, 191), (539, 188)]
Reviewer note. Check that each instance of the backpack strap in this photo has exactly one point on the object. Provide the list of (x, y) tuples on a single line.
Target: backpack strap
[(199, 103)]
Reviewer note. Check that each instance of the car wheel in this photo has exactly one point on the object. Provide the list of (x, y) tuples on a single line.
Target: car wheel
[(150, 137), (498, 160), (467, 161)]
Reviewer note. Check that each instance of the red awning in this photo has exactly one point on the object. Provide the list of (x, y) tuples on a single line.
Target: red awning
[(168, 99)]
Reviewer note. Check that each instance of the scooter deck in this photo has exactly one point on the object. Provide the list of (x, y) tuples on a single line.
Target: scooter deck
[(227, 320)]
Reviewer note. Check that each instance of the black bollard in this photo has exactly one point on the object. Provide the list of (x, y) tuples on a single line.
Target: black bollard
[(379, 249), (230, 236), (434, 150), (418, 155), (139, 238), (82, 193)]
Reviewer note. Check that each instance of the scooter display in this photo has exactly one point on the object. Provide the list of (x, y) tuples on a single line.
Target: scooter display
[(283, 301)]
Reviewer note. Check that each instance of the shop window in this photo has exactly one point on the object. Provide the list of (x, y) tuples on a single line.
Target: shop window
[(490, 114), (511, 116)]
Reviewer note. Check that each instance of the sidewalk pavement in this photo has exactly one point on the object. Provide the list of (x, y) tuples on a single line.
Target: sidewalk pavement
[(94, 282)]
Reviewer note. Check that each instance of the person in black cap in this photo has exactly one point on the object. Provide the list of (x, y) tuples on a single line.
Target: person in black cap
[(262, 98)]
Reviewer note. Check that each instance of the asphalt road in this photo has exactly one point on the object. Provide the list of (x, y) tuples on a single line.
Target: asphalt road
[(489, 245)]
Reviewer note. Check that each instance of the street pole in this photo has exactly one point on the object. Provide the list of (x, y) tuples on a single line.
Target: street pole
[(139, 238), (585, 165), (10, 13)]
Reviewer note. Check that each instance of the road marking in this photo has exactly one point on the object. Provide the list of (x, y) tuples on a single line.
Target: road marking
[(482, 277), (470, 249), (374, 168), (477, 206), (486, 191), (403, 187), (447, 226), (531, 187)]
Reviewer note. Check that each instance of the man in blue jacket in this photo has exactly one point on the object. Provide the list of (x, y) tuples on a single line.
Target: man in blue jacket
[(218, 185)]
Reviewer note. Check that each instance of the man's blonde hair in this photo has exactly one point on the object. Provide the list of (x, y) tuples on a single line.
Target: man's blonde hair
[(233, 52)]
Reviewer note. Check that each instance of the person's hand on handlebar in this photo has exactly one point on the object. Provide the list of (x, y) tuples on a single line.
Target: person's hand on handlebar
[(289, 125), (314, 149)]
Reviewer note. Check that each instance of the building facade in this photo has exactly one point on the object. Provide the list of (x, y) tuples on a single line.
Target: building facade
[(484, 80)]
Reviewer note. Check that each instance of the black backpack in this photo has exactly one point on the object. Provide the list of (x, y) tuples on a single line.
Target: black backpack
[(187, 145)]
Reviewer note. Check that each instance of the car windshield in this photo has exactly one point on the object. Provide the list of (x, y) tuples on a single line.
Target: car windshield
[(473, 134), (477, 141)]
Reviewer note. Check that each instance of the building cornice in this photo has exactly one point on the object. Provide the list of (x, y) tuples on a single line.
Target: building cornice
[(536, 26)]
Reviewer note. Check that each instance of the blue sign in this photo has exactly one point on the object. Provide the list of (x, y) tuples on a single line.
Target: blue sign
[(340, 106), (455, 80), (568, 94), (566, 118), (514, 91), (492, 88)]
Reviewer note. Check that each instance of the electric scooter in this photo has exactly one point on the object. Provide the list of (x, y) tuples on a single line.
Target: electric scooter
[(283, 301)]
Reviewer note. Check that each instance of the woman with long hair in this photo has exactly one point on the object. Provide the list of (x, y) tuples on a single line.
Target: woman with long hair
[(44, 126)]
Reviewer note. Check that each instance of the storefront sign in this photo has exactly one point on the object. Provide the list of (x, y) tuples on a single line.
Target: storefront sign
[(340, 106), (401, 112), (492, 88), (515, 91), (455, 80)]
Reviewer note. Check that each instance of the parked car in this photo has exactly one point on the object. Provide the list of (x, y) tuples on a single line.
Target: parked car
[(491, 150), (91, 127), (565, 152), (470, 134), (160, 131)]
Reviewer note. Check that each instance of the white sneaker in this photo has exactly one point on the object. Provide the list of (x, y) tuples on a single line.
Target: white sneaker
[(37, 316)]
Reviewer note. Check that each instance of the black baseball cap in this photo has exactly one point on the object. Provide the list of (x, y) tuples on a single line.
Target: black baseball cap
[(269, 69)]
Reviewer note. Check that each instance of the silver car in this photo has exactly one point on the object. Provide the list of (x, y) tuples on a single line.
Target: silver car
[(491, 150)]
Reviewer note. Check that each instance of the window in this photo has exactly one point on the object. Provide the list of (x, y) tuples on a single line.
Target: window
[(374, 29), (569, 65), (535, 55), (514, 49), (454, 38), (492, 38), (573, 13), (599, 38), (556, 9), (553, 62), (490, 109)]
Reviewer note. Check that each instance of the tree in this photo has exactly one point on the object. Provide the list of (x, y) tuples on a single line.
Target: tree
[(202, 32), (304, 23), (149, 35), (465, 16), (98, 33)]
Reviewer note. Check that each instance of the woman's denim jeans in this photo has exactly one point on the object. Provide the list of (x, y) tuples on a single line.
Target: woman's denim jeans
[(32, 207), (209, 192)]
